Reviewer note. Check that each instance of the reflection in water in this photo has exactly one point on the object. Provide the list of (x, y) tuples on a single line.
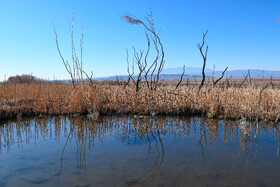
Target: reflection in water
[(157, 163), (235, 142)]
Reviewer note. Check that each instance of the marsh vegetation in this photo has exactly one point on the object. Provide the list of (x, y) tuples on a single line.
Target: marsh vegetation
[(256, 102)]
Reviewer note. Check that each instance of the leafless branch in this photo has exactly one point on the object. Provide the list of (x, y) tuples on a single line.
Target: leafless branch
[(76, 72), (65, 62), (152, 71), (204, 56), (220, 77), (181, 78), (260, 96), (243, 81)]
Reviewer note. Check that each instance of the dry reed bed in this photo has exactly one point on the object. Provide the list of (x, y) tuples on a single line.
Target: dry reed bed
[(62, 99)]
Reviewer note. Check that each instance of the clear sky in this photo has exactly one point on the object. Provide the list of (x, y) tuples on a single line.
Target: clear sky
[(243, 34)]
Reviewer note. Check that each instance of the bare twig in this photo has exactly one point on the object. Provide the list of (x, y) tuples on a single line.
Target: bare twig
[(260, 96), (220, 77), (181, 78), (243, 81)]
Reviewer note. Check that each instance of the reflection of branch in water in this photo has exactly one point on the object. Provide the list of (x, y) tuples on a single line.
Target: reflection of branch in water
[(62, 154), (156, 161), (57, 173), (149, 146), (234, 162), (162, 155), (202, 148), (83, 136), (246, 149), (238, 158), (3, 144), (245, 146), (156, 166), (81, 160), (203, 135)]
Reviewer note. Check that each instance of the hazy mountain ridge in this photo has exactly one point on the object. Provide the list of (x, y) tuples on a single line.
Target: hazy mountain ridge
[(175, 73), (235, 73)]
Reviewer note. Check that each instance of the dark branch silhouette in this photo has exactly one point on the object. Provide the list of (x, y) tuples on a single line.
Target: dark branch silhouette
[(204, 56)]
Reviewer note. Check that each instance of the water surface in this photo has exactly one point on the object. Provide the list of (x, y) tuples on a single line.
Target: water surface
[(138, 151)]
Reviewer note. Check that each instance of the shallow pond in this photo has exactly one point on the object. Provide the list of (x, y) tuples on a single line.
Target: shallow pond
[(138, 151)]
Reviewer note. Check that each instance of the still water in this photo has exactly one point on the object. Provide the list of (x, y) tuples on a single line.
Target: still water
[(138, 151)]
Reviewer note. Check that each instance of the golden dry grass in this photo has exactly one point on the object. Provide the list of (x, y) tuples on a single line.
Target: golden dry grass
[(214, 102)]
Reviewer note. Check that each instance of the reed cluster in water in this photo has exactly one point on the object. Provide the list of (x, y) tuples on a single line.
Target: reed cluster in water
[(218, 101)]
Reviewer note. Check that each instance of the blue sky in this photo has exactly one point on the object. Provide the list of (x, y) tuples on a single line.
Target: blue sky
[(243, 34)]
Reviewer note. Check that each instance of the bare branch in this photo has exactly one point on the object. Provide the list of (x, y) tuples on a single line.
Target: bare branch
[(76, 71), (220, 77), (204, 56), (243, 80), (272, 84), (260, 96), (181, 78), (65, 62), (157, 65)]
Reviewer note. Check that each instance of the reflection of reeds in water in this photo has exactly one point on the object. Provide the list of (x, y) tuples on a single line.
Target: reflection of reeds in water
[(85, 132), (129, 129), (158, 160)]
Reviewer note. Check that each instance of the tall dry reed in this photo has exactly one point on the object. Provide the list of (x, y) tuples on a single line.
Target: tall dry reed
[(56, 99)]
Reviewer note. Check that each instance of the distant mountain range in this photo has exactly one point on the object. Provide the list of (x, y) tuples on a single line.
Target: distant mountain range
[(188, 71), (175, 73), (234, 73)]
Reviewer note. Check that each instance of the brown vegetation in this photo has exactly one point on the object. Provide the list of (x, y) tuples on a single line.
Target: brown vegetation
[(258, 102)]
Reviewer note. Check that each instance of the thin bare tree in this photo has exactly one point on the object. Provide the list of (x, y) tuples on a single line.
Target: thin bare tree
[(204, 56), (75, 70), (149, 71)]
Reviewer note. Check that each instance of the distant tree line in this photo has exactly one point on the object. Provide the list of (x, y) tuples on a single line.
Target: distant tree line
[(24, 79)]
